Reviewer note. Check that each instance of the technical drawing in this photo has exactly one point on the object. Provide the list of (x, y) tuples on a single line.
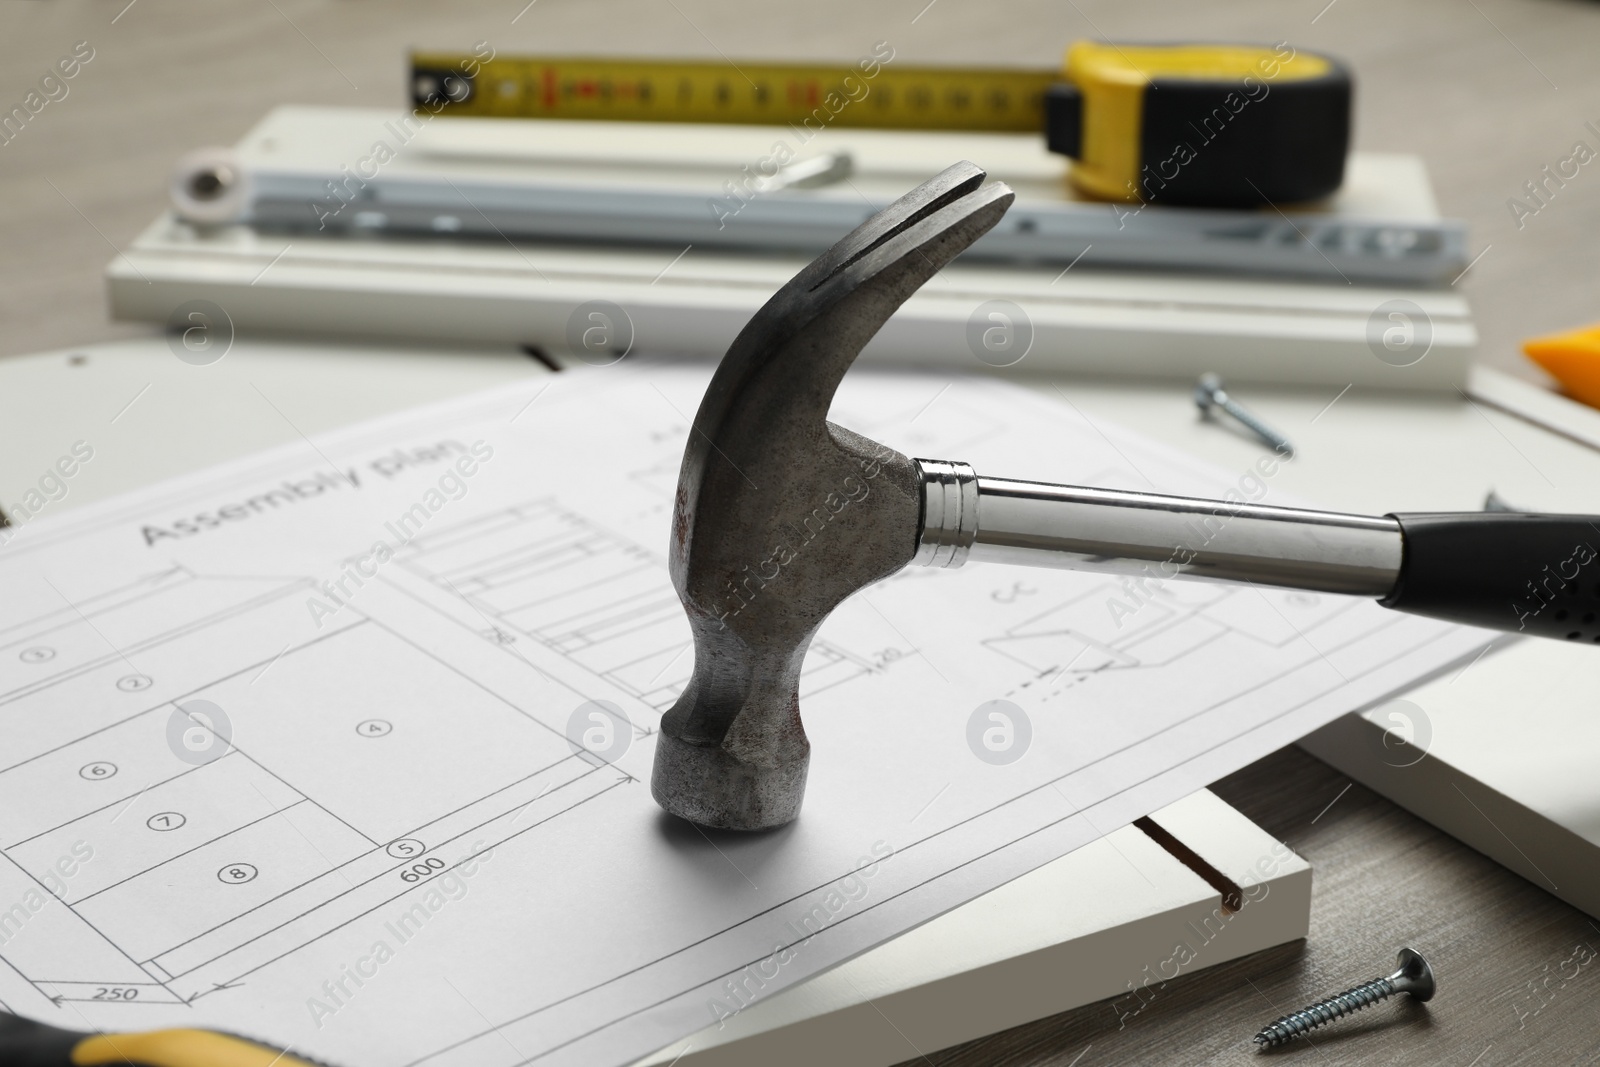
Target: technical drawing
[(166, 874), (660, 480), (51, 648), (1129, 626), (222, 785), (306, 814), (546, 573)]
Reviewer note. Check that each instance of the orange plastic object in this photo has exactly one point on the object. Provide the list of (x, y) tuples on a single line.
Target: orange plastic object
[(1573, 359)]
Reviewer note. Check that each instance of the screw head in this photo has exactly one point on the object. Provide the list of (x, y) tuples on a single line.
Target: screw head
[(1414, 976), (211, 182), (1208, 392)]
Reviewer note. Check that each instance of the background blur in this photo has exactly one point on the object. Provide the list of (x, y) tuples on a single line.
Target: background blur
[(1488, 92)]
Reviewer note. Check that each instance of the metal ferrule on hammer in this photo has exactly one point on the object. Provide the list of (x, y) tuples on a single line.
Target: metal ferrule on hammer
[(1000, 520)]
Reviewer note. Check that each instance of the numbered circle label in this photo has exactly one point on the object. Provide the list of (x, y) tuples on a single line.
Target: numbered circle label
[(38, 654), (163, 821), (406, 848), (132, 683), (97, 771), (237, 873), (375, 728)]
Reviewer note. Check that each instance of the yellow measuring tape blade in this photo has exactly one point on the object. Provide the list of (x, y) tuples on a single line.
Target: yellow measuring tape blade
[(874, 93)]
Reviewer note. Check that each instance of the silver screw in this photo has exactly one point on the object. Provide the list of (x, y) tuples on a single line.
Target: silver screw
[(1414, 976), (1209, 393)]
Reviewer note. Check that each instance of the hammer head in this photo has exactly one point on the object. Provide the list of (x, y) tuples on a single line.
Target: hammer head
[(780, 515)]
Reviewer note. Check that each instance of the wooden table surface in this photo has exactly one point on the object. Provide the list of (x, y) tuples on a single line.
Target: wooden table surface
[(1381, 879), (1488, 92)]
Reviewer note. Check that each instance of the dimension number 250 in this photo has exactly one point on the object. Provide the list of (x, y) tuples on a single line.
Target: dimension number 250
[(115, 993)]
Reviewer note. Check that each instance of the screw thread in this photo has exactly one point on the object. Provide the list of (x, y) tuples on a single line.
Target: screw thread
[(1261, 429), (1323, 1011)]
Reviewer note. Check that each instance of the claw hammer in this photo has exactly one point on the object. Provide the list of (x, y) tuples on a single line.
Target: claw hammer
[(764, 468)]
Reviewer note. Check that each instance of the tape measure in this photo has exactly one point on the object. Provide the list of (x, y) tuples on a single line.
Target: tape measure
[(1217, 125), (1222, 125), (874, 93)]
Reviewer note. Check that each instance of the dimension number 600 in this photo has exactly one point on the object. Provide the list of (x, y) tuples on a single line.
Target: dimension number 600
[(418, 871)]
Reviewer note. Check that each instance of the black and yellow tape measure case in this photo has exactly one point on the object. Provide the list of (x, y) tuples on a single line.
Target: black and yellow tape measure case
[(1198, 124), (1207, 125)]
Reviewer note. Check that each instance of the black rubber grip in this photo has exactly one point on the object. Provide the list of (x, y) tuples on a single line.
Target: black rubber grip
[(25, 1043), (1063, 119), (1532, 574)]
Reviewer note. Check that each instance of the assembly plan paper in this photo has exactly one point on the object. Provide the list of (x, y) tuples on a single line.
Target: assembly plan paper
[(347, 745)]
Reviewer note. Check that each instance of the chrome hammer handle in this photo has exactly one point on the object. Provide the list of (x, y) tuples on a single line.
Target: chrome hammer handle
[(998, 520), (1518, 572)]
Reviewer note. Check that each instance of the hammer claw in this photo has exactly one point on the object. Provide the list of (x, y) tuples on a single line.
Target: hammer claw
[(947, 188)]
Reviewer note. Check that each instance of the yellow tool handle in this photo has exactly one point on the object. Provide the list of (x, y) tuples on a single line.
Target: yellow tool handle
[(180, 1048), (29, 1043)]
